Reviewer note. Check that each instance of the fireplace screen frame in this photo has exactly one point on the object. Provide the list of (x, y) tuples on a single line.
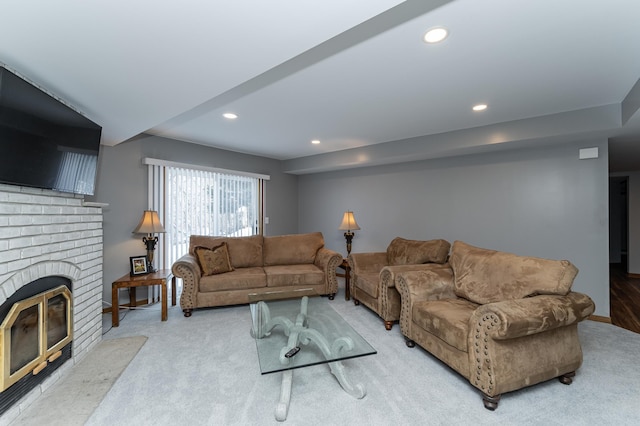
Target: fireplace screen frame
[(45, 354)]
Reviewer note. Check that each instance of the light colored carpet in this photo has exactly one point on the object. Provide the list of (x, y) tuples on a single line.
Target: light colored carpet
[(72, 400), (204, 370)]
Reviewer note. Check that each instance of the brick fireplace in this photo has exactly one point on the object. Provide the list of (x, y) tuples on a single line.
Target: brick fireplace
[(47, 233)]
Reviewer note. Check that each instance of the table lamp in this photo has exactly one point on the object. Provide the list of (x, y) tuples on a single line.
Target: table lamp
[(149, 224), (349, 224)]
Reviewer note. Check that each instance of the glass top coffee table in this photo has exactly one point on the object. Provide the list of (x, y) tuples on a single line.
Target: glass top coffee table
[(298, 333)]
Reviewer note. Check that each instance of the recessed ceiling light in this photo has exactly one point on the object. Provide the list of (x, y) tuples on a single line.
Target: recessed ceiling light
[(230, 115), (436, 35), (480, 107), (315, 141)]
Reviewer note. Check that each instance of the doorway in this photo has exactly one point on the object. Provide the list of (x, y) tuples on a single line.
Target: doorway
[(624, 290), (618, 220)]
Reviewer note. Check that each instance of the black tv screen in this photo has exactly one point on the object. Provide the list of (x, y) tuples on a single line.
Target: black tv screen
[(43, 142)]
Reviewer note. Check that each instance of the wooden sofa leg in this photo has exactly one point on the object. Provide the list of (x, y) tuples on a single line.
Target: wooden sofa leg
[(356, 302), (388, 325), (332, 296), (567, 379), (490, 402), (187, 312), (410, 343)]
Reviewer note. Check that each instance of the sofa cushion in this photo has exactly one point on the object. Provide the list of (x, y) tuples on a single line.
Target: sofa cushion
[(487, 276), (244, 252), (213, 260), (368, 282), (240, 278), (415, 252), (293, 275), (293, 249), (448, 319)]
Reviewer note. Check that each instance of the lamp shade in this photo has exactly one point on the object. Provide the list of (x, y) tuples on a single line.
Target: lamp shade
[(149, 224), (348, 222)]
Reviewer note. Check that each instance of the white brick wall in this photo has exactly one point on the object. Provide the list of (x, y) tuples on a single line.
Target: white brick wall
[(45, 233)]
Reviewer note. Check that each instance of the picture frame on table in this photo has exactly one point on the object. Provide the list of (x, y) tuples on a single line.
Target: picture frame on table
[(139, 265)]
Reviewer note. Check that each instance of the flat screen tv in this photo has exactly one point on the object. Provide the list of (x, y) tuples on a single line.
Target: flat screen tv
[(43, 142)]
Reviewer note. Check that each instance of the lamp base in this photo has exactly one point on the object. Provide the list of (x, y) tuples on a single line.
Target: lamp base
[(150, 242), (349, 237)]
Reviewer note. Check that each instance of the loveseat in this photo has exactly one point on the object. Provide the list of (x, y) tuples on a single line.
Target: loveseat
[(220, 271), (373, 274), (500, 320)]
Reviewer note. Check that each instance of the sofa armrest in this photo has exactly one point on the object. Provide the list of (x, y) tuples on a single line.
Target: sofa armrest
[(188, 269), (361, 263), (328, 261), (388, 273), (523, 317), (387, 294), (432, 283)]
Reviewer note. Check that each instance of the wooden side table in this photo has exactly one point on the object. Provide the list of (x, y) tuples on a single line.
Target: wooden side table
[(347, 278), (159, 277)]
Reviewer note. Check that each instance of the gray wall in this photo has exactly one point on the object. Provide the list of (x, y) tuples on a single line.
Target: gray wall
[(633, 191), (122, 183), (541, 202)]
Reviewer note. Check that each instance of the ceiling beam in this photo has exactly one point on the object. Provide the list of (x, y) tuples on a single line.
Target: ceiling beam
[(385, 21), (554, 128), (631, 103)]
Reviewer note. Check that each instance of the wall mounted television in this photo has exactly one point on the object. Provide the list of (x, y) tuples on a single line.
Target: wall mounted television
[(43, 142)]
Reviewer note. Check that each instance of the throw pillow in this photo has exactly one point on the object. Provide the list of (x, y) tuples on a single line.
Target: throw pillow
[(214, 260)]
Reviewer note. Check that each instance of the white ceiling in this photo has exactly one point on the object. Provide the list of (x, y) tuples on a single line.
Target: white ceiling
[(353, 74)]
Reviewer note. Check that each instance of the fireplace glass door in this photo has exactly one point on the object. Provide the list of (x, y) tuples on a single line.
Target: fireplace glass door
[(57, 325), (25, 338), (33, 334)]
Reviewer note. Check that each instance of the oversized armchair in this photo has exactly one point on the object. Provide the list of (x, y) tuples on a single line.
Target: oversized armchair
[(373, 274), (502, 321)]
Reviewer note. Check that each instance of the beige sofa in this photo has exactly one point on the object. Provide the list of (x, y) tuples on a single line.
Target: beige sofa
[(500, 320), (373, 274), (221, 271)]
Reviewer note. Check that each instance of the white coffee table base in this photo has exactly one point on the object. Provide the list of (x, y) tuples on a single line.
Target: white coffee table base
[(300, 333)]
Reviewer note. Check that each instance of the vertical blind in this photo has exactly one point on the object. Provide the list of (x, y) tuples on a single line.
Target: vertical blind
[(202, 201), (77, 173)]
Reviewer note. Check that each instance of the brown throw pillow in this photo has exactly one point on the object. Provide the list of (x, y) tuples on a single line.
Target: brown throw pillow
[(214, 260)]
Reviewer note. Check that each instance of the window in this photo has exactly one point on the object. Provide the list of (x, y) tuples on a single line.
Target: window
[(195, 200)]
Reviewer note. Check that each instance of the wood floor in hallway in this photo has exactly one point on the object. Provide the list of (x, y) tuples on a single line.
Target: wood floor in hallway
[(625, 298)]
